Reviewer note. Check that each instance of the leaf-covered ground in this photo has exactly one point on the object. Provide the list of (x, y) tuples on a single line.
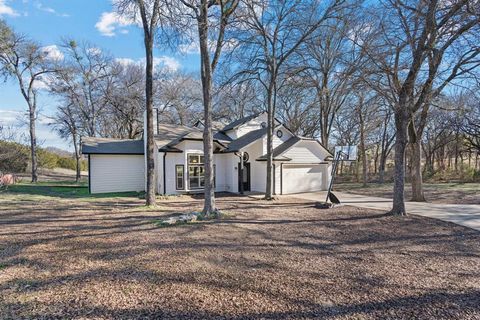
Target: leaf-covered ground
[(105, 258)]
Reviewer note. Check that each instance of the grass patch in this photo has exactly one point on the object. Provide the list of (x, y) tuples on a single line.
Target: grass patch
[(61, 189)]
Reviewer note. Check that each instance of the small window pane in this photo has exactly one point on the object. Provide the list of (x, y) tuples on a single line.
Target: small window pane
[(179, 173)]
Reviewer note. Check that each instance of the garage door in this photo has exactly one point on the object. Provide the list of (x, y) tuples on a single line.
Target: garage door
[(116, 173), (302, 178)]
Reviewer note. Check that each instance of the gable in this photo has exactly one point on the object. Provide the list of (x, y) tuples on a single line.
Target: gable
[(307, 151)]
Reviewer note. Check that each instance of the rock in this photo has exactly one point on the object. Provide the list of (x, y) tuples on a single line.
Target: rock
[(184, 218)]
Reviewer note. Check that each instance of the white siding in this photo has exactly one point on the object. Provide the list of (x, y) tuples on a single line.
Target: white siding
[(307, 151), (298, 178), (223, 168), (116, 173), (253, 124)]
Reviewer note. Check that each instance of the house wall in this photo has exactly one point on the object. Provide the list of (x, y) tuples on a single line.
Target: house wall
[(257, 168), (116, 173), (306, 152), (276, 140), (253, 124), (223, 177)]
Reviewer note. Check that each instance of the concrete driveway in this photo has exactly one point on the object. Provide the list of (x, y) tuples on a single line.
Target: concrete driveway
[(463, 214)]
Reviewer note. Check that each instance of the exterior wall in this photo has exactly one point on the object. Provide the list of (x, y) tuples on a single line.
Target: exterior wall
[(253, 124), (223, 169), (276, 140), (257, 168), (306, 152), (116, 173), (231, 172)]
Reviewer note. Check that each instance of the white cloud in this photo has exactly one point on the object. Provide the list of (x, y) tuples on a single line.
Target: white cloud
[(169, 63), (94, 51), (125, 61), (53, 53), (41, 7), (6, 9), (110, 22), (163, 62)]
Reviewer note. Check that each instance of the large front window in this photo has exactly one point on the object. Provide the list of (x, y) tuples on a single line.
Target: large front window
[(196, 171)]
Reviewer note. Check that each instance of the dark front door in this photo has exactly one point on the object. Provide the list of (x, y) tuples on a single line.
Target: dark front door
[(244, 178)]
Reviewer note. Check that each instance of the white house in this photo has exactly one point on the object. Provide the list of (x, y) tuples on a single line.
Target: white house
[(300, 164)]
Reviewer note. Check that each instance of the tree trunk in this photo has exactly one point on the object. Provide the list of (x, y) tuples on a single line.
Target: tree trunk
[(270, 125), (401, 122), (381, 168), (77, 157), (416, 175), (362, 147), (150, 192), (33, 142), (209, 206)]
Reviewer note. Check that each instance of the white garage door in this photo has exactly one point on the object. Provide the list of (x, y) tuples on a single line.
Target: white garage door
[(302, 178), (117, 173)]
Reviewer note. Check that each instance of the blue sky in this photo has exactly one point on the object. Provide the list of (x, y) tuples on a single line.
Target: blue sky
[(48, 21)]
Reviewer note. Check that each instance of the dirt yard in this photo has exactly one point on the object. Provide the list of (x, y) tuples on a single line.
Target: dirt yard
[(448, 193), (104, 258)]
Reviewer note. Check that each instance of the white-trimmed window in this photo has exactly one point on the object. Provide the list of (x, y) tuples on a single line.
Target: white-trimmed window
[(180, 176), (196, 171)]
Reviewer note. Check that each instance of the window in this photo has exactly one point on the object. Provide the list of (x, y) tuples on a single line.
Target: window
[(279, 133), (196, 171), (179, 176)]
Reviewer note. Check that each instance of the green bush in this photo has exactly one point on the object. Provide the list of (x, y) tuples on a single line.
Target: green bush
[(67, 163), (47, 160), (14, 157)]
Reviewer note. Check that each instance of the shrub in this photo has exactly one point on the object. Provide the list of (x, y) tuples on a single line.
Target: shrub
[(14, 157), (46, 159)]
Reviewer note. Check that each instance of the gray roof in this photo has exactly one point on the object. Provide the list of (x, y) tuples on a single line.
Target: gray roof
[(221, 136), (92, 145), (241, 121), (170, 135), (245, 140)]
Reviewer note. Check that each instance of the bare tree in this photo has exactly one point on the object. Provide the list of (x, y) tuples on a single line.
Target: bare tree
[(28, 63), (269, 36), (211, 18), (234, 101), (123, 116), (414, 36), (150, 13), (178, 98), (66, 124), (333, 59), (84, 79)]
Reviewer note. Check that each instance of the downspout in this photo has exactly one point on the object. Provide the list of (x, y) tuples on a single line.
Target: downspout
[(281, 178), (89, 177), (274, 189), (164, 173)]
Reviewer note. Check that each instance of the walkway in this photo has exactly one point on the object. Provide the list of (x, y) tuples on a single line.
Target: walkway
[(463, 214)]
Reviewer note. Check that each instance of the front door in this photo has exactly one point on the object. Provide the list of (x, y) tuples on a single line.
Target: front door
[(244, 178)]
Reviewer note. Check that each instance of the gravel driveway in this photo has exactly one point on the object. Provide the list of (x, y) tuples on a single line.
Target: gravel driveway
[(106, 259)]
